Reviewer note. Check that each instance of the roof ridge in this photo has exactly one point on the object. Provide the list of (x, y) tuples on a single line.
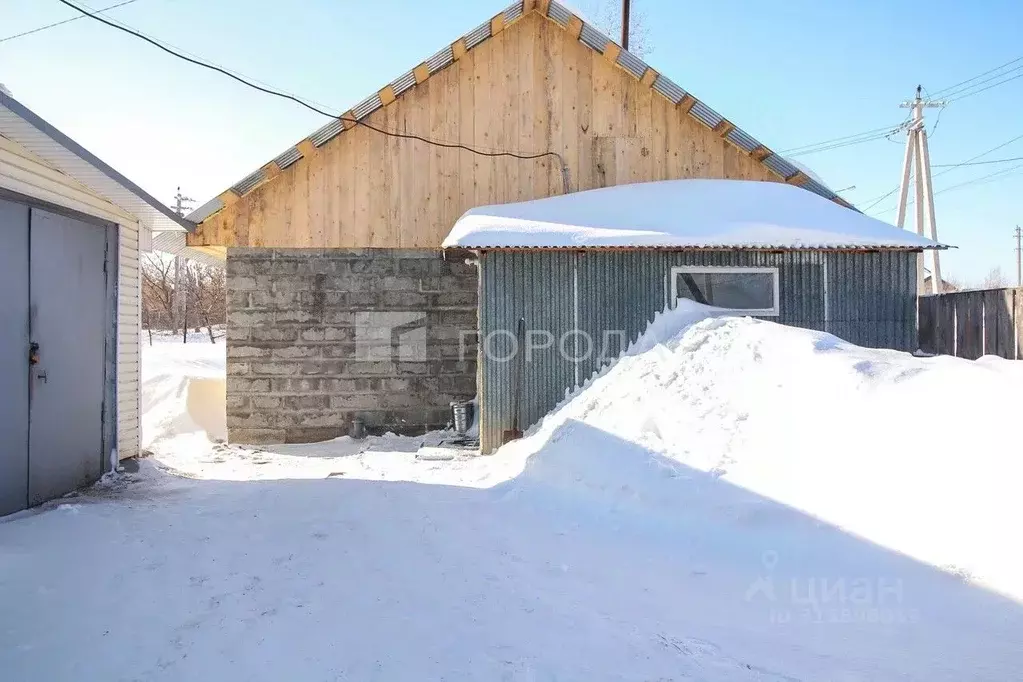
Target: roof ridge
[(585, 33)]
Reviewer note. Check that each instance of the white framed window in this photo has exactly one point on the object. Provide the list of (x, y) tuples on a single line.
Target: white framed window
[(747, 291)]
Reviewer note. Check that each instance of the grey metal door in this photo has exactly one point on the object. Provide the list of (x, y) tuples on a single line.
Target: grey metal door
[(68, 320), (14, 347)]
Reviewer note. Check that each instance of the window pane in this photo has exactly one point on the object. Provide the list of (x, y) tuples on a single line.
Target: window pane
[(737, 290)]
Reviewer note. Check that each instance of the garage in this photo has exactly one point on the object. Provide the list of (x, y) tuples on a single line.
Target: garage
[(73, 228)]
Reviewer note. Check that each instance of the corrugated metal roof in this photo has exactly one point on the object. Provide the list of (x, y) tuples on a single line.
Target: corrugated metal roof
[(598, 41), (28, 129)]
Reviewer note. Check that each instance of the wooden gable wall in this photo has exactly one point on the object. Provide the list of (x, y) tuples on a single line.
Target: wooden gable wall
[(530, 88)]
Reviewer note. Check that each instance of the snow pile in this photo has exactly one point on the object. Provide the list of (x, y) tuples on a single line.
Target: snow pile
[(183, 391), (679, 213), (640, 541), (915, 454)]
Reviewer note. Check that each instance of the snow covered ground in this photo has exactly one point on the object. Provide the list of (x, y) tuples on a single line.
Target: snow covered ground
[(734, 500)]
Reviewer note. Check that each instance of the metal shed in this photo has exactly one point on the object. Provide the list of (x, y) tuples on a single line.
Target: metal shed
[(552, 314), (69, 345)]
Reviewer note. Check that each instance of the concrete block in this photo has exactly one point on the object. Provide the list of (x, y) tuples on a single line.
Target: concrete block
[(295, 352), (275, 368), (454, 299), (240, 351), (248, 318), (265, 402), (246, 385), (300, 403), (245, 436), (358, 401), (403, 300), (274, 334), (314, 434), (360, 300), (238, 368), (238, 402), (241, 283), (379, 265), (294, 316)]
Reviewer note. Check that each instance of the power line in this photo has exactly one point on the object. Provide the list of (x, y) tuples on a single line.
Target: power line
[(947, 167), (993, 85), (977, 163), (64, 21), (297, 100), (945, 91), (882, 130)]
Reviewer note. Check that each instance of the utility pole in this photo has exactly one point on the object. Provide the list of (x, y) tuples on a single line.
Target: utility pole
[(180, 302), (917, 161), (626, 6), (1019, 257)]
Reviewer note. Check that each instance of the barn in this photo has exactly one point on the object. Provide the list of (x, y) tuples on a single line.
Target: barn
[(567, 282), (341, 302), (69, 345)]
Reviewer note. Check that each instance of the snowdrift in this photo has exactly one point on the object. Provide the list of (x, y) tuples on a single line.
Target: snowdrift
[(183, 391), (915, 454)]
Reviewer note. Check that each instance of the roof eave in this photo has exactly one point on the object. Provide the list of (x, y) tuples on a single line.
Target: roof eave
[(109, 184)]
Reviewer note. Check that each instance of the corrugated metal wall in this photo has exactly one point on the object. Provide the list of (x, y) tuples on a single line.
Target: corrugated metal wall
[(871, 301)]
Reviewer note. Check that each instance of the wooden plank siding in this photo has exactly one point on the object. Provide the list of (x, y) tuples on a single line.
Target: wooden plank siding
[(531, 88)]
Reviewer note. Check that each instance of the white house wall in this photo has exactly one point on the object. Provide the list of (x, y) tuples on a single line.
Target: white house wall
[(26, 174)]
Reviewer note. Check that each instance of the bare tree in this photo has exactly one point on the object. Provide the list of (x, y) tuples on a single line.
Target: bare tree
[(207, 295), (607, 15), (995, 279), (158, 291)]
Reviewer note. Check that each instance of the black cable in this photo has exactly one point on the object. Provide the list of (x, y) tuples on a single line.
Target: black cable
[(884, 129), (947, 167), (944, 92), (276, 93), (971, 93), (65, 21), (976, 163)]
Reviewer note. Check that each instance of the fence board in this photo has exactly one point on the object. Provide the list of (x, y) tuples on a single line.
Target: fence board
[(1017, 307), (927, 319), (973, 323)]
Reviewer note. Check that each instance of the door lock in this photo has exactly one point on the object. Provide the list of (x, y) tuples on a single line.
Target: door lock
[(42, 375), (33, 353)]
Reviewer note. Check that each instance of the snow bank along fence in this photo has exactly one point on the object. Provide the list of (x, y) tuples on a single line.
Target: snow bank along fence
[(590, 304), (969, 324)]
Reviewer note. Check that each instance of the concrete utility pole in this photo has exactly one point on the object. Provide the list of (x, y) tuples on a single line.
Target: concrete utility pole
[(918, 157), (1019, 257), (626, 6), (179, 288)]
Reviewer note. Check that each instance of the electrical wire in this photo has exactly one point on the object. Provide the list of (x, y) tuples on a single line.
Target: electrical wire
[(65, 21), (993, 85), (307, 105), (884, 130), (976, 163), (945, 92), (948, 168)]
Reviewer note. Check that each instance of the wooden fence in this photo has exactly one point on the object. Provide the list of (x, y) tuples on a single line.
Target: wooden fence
[(969, 324)]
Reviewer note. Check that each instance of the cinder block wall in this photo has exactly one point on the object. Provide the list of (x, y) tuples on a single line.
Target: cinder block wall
[(317, 337)]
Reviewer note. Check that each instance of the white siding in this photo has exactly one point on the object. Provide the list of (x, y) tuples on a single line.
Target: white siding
[(129, 327), (27, 174)]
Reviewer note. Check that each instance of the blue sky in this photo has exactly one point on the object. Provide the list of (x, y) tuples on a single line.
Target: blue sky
[(790, 73)]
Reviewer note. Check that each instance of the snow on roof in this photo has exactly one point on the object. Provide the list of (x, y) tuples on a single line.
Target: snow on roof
[(680, 213)]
